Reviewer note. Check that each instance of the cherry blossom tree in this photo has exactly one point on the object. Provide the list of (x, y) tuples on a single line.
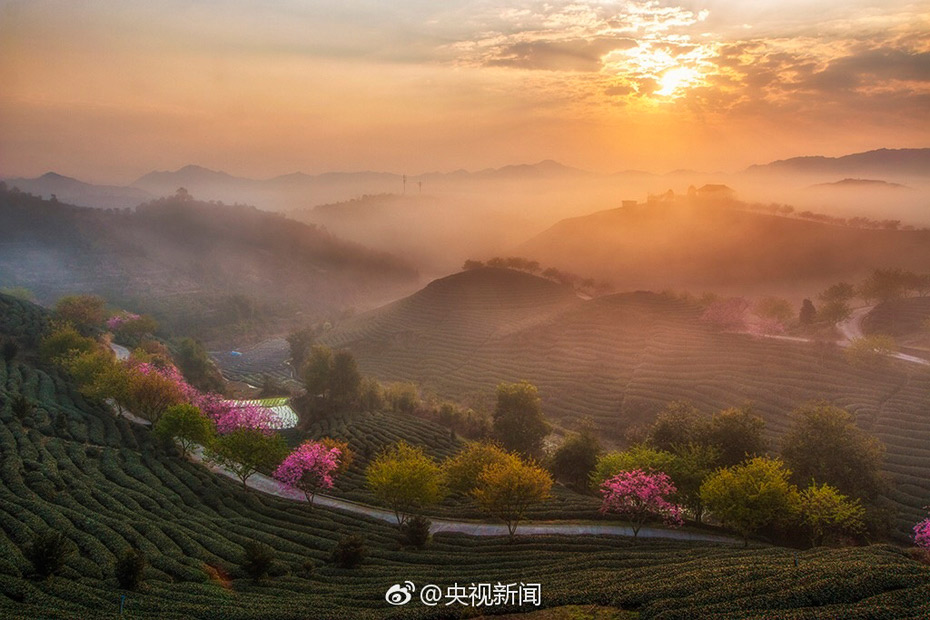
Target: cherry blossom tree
[(922, 533), (310, 468), (639, 497), (727, 314)]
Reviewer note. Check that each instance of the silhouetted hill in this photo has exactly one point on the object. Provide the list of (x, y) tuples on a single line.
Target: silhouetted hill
[(859, 184), (72, 191), (880, 162), (199, 266), (697, 246)]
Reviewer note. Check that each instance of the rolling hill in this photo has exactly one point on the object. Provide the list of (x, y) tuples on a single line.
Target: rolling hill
[(73, 191), (617, 360), (880, 162), (695, 245), (204, 268)]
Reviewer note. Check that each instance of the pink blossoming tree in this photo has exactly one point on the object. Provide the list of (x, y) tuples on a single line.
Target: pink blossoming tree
[(922, 534), (727, 314), (228, 416), (310, 468), (639, 497)]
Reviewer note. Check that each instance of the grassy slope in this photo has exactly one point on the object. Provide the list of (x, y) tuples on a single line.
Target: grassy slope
[(617, 360)]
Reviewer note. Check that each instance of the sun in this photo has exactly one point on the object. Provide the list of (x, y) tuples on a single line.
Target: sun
[(677, 79)]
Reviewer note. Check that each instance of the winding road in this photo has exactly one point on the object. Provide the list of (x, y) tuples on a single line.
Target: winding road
[(266, 484)]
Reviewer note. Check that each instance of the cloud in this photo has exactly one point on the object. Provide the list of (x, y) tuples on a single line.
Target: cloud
[(572, 55)]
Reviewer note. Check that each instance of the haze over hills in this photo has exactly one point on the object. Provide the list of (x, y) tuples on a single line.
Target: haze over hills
[(297, 190), (617, 360), (880, 162), (207, 267), (75, 192), (696, 244)]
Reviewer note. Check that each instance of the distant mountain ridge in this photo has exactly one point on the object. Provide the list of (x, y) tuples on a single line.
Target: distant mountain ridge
[(299, 189), (73, 191), (896, 162)]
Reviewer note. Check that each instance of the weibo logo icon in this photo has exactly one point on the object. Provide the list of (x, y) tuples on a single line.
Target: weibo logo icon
[(400, 594)]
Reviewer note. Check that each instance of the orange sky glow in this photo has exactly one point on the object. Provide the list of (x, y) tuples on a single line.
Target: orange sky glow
[(107, 90)]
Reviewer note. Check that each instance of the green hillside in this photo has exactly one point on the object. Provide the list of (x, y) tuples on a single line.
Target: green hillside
[(201, 268), (72, 467), (619, 359)]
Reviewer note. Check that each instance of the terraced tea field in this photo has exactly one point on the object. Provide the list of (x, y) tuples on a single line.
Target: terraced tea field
[(107, 485), (908, 320), (268, 357), (619, 359)]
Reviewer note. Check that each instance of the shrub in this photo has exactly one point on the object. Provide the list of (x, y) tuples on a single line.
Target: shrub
[(129, 569), (47, 552), (415, 532), (257, 559), (349, 552)]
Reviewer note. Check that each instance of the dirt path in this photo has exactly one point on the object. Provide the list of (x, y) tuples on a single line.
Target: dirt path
[(850, 330)]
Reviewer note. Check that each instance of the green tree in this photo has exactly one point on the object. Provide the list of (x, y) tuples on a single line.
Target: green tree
[(344, 381), (885, 285), (518, 420), (737, 433), (406, 479), (808, 313), (871, 350), (696, 462), (576, 458), (187, 425), (63, 342), (841, 292), (317, 370), (680, 423), (197, 367), (826, 512), (833, 312), (775, 308), (370, 395), (301, 342), (507, 489), (257, 559), (461, 471), (85, 312), (129, 569), (246, 451), (403, 397), (646, 458), (824, 444), (47, 552), (751, 496)]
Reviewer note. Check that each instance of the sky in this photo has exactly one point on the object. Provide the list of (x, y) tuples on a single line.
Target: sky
[(107, 90)]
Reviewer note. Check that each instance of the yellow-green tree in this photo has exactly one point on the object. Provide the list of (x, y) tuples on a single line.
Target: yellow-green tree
[(187, 425), (245, 451), (462, 470), (406, 479), (751, 496), (508, 488), (63, 342), (825, 512)]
